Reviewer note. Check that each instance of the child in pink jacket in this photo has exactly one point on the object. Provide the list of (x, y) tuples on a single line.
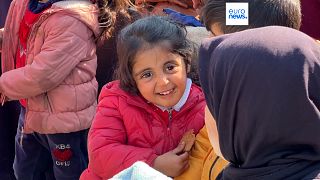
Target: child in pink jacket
[(49, 64), (143, 116)]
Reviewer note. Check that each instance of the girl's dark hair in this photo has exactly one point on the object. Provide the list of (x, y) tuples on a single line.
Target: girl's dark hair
[(145, 32), (261, 13), (110, 11)]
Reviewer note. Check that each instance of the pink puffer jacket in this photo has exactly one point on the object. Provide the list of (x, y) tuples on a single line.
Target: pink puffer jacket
[(127, 129), (59, 78)]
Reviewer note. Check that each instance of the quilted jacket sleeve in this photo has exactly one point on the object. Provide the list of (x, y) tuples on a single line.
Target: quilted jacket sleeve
[(63, 48), (108, 151)]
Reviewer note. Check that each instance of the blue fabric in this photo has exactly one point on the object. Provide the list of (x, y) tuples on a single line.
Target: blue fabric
[(182, 18), (140, 171), (4, 6), (37, 7)]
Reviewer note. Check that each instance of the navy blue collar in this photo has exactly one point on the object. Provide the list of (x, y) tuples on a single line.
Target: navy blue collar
[(36, 7)]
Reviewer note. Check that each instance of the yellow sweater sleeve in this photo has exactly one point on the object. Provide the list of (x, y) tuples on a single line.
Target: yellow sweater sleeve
[(212, 166), (201, 159)]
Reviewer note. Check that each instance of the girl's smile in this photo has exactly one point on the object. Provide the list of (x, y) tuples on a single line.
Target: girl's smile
[(165, 93)]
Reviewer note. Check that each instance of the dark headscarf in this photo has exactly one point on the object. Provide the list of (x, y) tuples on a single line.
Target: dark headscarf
[(263, 88)]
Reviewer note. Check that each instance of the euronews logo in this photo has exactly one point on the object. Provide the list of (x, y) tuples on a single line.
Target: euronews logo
[(237, 13)]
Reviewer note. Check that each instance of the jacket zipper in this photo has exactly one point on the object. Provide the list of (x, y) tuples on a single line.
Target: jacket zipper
[(168, 133), (170, 117)]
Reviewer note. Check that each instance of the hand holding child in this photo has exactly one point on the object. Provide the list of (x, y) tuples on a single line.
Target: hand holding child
[(174, 162)]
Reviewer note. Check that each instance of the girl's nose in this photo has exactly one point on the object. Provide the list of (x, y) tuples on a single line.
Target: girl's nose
[(163, 80)]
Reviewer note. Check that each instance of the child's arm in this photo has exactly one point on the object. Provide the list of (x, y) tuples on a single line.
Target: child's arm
[(65, 45), (108, 152)]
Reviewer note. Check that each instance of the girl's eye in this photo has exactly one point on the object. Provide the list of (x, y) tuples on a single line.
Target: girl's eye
[(170, 67), (146, 75)]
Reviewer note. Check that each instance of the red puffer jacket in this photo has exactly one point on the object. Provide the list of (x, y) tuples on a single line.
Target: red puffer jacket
[(127, 129)]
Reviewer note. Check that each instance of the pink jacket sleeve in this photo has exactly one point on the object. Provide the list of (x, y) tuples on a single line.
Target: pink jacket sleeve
[(63, 48), (108, 151)]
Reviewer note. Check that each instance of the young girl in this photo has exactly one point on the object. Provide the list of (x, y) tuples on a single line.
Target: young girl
[(143, 116), (49, 63), (263, 92)]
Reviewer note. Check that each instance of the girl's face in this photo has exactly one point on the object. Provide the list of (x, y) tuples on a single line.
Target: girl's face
[(160, 75)]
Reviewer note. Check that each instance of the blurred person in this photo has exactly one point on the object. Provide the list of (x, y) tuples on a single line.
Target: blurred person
[(262, 94), (9, 114), (204, 161), (49, 64)]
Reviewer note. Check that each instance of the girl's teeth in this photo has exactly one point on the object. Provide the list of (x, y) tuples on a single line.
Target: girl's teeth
[(165, 93)]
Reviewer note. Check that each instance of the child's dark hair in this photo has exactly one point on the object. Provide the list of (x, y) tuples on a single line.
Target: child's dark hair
[(261, 13), (110, 12), (148, 32)]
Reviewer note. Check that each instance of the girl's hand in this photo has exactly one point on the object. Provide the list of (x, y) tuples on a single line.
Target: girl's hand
[(172, 164), (177, 2)]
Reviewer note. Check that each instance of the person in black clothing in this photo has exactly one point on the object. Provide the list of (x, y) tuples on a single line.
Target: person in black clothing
[(9, 114), (263, 94)]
